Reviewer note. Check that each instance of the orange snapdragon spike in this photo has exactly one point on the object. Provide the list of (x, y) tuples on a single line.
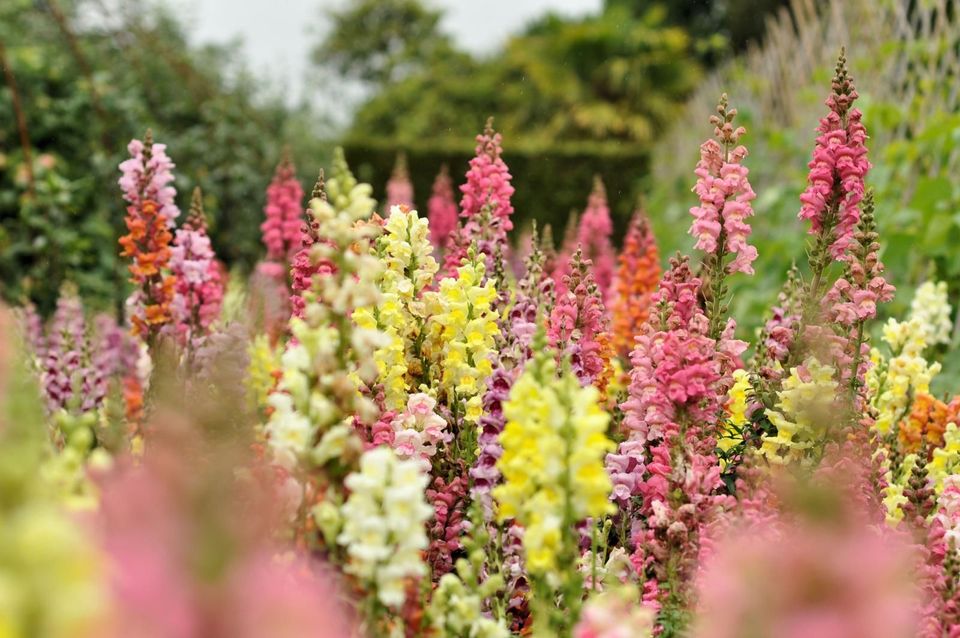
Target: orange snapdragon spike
[(638, 274)]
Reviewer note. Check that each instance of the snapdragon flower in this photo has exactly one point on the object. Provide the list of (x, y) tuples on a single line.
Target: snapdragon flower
[(837, 171), (552, 464), (593, 235), (802, 413), (383, 524), (409, 267), (442, 209), (638, 273), (720, 220), (283, 214), (199, 284), (151, 215), (461, 331), (577, 322), (318, 395), (931, 308), (399, 187)]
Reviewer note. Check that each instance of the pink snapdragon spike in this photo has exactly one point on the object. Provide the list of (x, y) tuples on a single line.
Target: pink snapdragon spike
[(199, 283), (577, 320), (853, 298), (64, 364), (677, 389), (485, 207), (283, 214), (593, 235), (720, 220), (838, 169), (442, 209), (150, 179), (488, 183), (399, 187)]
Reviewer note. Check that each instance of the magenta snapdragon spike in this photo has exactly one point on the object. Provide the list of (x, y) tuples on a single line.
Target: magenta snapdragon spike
[(839, 166), (484, 472), (283, 213), (577, 320), (64, 367), (442, 209), (677, 391), (199, 284), (593, 235), (148, 177), (720, 220), (488, 183), (399, 186), (485, 207)]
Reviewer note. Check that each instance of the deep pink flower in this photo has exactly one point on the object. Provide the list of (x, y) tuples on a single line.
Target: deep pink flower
[(442, 209), (283, 214), (839, 167)]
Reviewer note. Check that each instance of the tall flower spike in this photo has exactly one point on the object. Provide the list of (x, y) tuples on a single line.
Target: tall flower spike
[(853, 299), (485, 206), (837, 171), (577, 320), (635, 282), (63, 366), (199, 288), (399, 187), (442, 209), (593, 234), (151, 212), (552, 464), (283, 213), (720, 220), (302, 267), (488, 182)]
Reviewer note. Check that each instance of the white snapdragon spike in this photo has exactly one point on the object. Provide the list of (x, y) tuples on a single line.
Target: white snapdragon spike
[(931, 308), (383, 523)]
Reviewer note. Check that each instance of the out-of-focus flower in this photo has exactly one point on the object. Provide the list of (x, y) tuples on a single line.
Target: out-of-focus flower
[(442, 209), (635, 282), (283, 214), (399, 187), (809, 580), (383, 524), (804, 411), (593, 235), (615, 614)]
